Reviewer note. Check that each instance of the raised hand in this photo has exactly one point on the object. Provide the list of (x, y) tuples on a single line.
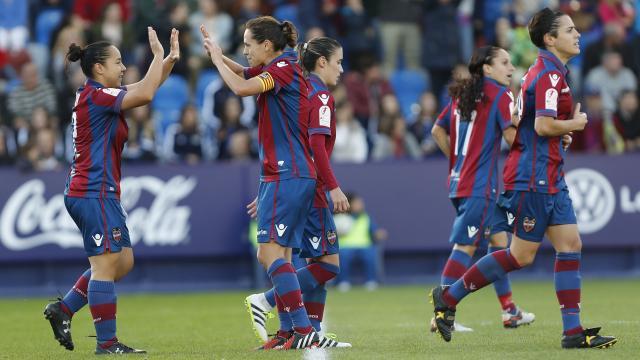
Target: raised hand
[(154, 43), (174, 53)]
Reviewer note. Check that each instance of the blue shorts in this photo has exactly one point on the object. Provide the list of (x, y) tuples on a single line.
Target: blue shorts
[(320, 236), (528, 214), (102, 223), (472, 224), (283, 207)]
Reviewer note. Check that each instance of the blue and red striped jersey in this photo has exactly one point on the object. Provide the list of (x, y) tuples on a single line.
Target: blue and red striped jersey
[(283, 121), (322, 121), (475, 143), (99, 134), (535, 162)]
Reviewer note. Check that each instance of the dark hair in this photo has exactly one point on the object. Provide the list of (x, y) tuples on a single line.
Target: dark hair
[(544, 22), (95, 53), (312, 50), (280, 34), (468, 91)]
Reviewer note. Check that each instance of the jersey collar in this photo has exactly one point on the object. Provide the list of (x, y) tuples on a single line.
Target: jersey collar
[(287, 55), (93, 83), (314, 78), (548, 55)]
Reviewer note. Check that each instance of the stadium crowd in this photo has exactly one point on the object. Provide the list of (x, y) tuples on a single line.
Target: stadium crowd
[(399, 57)]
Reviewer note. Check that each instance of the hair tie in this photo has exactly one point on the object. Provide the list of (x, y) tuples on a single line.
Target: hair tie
[(305, 45)]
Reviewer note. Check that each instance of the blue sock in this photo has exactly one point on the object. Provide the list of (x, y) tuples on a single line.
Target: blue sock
[(314, 302), (455, 267), (284, 279), (270, 295), (502, 287), (76, 298), (567, 281), (102, 302)]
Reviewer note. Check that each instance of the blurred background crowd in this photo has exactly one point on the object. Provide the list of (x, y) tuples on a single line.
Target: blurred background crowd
[(400, 56)]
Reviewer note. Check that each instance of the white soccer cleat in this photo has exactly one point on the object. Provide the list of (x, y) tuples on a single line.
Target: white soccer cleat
[(522, 317), (329, 340), (259, 311)]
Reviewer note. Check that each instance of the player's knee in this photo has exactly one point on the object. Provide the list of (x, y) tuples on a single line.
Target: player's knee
[(524, 258)]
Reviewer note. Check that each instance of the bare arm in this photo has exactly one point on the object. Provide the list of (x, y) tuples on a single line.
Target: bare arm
[(239, 85), (550, 127), (233, 66), (142, 94), (442, 139), (509, 134)]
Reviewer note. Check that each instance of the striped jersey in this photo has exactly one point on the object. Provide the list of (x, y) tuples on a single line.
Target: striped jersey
[(475, 143), (322, 121), (535, 162), (99, 134), (283, 120)]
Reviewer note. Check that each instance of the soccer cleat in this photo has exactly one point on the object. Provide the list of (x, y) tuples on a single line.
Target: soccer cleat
[(118, 348), (60, 324), (511, 321), (456, 327), (259, 311), (302, 341), (328, 340), (277, 341), (588, 338), (444, 315)]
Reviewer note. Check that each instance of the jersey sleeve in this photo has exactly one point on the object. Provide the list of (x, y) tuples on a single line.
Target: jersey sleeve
[(250, 72), (109, 99), (506, 105), (282, 74), (444, 119), (547, 90), (322, 113)]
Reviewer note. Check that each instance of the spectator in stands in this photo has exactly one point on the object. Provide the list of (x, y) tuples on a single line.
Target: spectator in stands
[(30, 94), (389, 110), (70, 31), (394, 142), (627, 119), (14, 32), (360, 239), (620, 11), (400, 30), (365, 87), (187, 144), (178, 18), (239, 146), (611, 78), (217, 22), (351, 139), (591, 138), (45, 153), (90, 11), (112, 27), (140, 146), (425, 118), (318, 18), (613, 39), (230, 123), (8, 147), (244, 10), (361, 36), (440, 53)]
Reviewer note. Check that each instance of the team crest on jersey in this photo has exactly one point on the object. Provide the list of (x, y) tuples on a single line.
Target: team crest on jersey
[(331, 237), (117, 234), (528, 224)]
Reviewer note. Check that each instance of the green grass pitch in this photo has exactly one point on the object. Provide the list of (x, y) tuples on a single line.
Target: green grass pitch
[(390, 323)]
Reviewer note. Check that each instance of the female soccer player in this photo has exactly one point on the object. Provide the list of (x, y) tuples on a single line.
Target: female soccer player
[(469, 132), (92, 194), (536, 201), (321, 60), (288, 175)]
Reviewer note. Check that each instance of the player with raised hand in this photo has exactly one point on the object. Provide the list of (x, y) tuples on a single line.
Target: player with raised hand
[(536, 200), (287, 173), (92, 193), (469, 132), (321, 60)]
